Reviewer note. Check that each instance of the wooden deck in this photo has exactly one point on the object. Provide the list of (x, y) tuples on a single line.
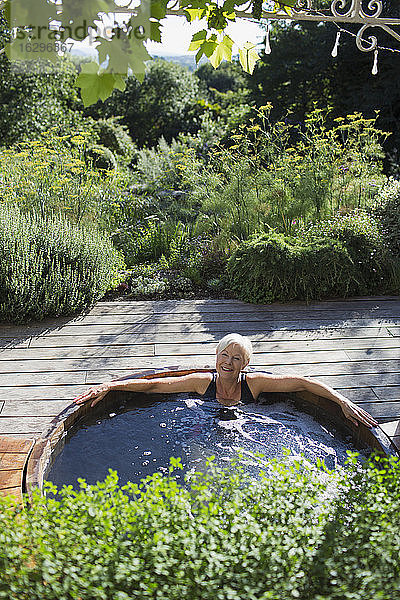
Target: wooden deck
[(351, 345)]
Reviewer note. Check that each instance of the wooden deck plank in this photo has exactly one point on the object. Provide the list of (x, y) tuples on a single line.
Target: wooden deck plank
[(387, 392), (383, 410), (85, 364), (41, 392), (395, 331), (207, 316), (12, 460), (262, 361), (355, 367), (23, 332), (391, 428), (187, 306), (365, 380), (13, 342), (313, 345), (40, 408), (14, 491), (48, 378), (11, 479), (372, 354), (367, 347), (335, 381), (66, 394), (76, 352), (15, 446), (255, 325), (23, 425), (122, 339)]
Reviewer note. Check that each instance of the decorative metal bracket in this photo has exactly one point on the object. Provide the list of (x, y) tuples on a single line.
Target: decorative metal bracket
[(366, 13)]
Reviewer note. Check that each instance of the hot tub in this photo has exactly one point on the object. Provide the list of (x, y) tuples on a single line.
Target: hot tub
[(125, 431)]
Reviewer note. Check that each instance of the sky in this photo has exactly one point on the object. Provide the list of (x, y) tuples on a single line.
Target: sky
[(177, 34)]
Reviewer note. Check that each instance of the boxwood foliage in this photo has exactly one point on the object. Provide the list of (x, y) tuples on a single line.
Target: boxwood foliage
[(297, 532), (346, 255), (273, 267), (368, 246), (49, 267)]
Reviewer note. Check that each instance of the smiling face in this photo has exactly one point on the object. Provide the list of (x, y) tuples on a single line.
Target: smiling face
[(230, 361)]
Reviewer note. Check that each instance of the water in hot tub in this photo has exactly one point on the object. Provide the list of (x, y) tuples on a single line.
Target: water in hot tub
[(139, 438)]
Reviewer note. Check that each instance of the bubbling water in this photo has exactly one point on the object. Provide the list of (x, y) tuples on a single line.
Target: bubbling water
[(137, 440)]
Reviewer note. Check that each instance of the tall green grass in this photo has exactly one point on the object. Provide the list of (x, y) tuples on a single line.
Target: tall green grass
[(50, 267)]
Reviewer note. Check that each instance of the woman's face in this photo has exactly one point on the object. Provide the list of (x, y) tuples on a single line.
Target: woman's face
[(231, 361)]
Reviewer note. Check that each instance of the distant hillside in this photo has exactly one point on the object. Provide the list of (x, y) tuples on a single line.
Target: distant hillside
[(185, 60)]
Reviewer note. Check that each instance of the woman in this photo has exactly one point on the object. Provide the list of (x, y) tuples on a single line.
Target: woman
[(229, 385)]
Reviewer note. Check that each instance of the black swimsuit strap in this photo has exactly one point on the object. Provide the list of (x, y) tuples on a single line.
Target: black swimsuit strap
[(245, 394), (211, 391)]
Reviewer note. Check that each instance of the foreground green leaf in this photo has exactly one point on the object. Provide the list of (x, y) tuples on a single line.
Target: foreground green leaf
[(95, 83), (248, 56)]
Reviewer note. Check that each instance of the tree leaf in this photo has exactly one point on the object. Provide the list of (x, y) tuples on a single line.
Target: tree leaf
[(197, 40), (248, 56), (120, 82), (158, 9), (22, 13), (285, 5), (124, 51), (95, 83), (222, 51), (155, 31), (86, 10), (23, 50), (207, 47), (194, 13)]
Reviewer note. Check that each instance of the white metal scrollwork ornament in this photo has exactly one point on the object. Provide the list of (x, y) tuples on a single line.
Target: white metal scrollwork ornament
[(366, 13)]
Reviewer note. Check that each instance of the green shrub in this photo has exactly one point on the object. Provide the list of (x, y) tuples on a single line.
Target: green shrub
[(271, 267), (176, 241), (387, 209), (100, 158), (297, 532), (342, 256), (114, 136), (366, 243), (273, 174), (358, 554), (49, 267), (147, 242)]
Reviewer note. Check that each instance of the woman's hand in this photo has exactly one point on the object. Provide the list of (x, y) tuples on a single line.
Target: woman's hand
[(356, 414), (95, 394)]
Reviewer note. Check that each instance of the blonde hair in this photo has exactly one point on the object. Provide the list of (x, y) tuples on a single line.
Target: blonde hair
[(235, 338)]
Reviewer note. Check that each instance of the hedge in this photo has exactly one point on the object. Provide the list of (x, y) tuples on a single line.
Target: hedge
[(297, 532), (347, 255), (272, 267)]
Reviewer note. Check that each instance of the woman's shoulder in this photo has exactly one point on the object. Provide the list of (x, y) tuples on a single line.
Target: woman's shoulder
[(258, 382), (257, 375), (202, 380)]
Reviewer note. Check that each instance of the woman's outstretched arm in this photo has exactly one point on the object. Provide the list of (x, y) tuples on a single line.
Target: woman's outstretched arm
[(262, 382), (196, 383)]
